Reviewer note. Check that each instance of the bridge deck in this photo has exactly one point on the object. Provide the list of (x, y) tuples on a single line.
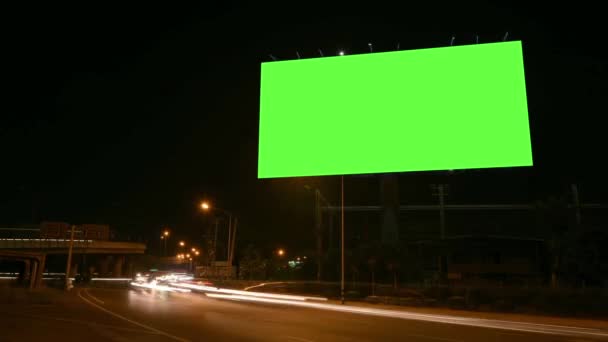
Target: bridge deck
[(61, 246)]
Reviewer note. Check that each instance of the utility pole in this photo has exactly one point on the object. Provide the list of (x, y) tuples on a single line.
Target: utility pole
[(441, 212), (318, 226), (319, 233), (67, 267), (342, 238), (232, 241), (215, 242), (441, 191), (229, 233), (577, 205)]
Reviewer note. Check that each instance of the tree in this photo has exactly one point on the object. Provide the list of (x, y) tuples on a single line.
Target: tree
[(252, 265)]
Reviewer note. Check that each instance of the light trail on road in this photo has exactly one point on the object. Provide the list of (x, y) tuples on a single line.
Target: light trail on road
[(246, 293), (154, 286), (474, 322)]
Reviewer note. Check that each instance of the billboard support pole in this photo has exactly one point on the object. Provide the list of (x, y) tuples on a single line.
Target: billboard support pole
[(342, 239)]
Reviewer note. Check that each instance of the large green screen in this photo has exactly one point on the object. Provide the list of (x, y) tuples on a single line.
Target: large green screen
[(444, 108)]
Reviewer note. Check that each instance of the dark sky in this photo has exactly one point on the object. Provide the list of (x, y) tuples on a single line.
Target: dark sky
[(131, 115)]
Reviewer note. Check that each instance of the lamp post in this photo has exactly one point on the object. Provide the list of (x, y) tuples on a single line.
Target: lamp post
[(165, 237), (206, 206), (181, 244)]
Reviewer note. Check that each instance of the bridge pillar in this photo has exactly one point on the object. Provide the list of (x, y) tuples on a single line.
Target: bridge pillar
[(25, 275), (91, 269), (104, 264), (73, 269), (129, 264), (118, 265), (33, 272), (40, 273)]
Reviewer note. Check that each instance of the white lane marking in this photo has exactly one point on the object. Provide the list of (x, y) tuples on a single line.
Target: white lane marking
[(76, 321), (298, 339), (475, 322), (93, 297), (132, 321), (263, 284)]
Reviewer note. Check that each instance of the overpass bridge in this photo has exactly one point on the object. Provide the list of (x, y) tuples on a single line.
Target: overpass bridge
[(80, 246), (33, 252)]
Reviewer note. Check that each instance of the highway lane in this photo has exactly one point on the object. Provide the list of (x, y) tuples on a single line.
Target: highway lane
[(147, 315), (193, 316), (51, 315)]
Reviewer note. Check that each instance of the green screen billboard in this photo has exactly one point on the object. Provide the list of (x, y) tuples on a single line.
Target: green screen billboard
[(458, 107)]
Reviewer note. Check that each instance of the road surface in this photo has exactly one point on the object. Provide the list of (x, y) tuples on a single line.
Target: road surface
[(146, 315)]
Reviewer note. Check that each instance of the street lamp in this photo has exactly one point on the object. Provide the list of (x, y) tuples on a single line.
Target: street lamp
[(164, 237), (206, 206), (182, 245), (280, 252)]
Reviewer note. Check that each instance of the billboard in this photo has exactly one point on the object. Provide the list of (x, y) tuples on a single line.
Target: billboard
[(459, 107)]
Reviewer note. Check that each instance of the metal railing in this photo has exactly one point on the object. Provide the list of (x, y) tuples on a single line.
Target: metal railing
[(21, 243)]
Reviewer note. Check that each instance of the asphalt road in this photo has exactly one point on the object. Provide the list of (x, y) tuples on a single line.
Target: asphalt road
[(146, 315)]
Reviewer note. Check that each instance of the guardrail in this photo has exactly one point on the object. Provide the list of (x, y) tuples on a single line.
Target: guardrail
[(50, 244), (43, 243)]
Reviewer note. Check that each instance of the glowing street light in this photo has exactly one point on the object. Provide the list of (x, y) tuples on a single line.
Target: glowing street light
[(206, 206), (341, 53), (196, 252), (281, 252), (193, 249), (164, 237), (182, 243)]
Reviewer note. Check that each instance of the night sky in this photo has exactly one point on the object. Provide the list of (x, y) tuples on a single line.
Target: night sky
[(130, 116)]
